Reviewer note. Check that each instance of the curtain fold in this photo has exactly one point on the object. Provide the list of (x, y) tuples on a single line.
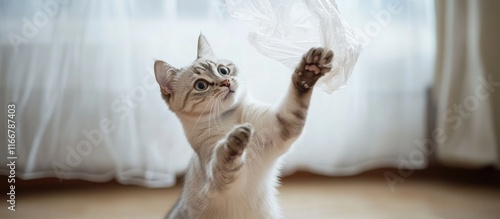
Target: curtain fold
[(89, 107), (467, 83)]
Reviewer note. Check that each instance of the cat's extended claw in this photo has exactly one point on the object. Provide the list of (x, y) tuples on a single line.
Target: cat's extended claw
[(314, 64), (238, 138)]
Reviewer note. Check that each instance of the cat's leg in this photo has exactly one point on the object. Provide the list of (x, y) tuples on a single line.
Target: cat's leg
[(291, 114), (227, 159)]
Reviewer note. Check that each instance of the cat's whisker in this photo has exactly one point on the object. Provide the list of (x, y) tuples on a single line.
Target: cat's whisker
[(218, 113), (199, 117), (210, 114), (222, 105), (224, 126)]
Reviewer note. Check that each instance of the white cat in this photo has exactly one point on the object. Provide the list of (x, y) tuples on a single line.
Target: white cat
[(233, 173)]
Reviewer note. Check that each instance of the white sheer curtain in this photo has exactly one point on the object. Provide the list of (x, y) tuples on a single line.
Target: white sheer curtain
[(88, 106)]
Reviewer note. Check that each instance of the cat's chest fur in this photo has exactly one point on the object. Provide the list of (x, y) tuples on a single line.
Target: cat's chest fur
[(203, 135), (256, 186)]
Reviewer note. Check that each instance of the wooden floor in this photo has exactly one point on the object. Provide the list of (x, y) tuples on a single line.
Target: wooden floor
[(303, 196)]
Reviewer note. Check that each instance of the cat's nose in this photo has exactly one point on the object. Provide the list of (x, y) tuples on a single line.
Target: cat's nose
[(225, 83)]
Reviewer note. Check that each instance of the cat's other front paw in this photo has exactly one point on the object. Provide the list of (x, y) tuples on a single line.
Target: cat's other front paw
[(314, 64), (238, 139)]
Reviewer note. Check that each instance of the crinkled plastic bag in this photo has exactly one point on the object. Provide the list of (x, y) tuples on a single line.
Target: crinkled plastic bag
[(286, 29)]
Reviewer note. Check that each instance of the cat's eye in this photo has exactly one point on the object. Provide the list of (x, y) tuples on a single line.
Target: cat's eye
[(201, 85), (223, 70)]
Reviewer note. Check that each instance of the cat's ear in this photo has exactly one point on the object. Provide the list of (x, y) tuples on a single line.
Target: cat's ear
[(204, 49), (165, 76)]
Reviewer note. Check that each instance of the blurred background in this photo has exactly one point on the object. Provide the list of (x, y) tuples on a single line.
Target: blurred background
[(421, 103)]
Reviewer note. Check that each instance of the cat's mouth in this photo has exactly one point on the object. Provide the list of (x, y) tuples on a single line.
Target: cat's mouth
[(229, 92)]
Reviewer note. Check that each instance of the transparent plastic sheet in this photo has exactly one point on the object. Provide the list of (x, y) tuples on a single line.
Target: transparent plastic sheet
[(286, 29)]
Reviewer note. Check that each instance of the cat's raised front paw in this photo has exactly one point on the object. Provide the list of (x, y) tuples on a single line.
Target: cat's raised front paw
[(313, 65), (238, 138)]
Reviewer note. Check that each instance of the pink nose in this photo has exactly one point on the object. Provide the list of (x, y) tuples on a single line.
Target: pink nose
[(225, 83)]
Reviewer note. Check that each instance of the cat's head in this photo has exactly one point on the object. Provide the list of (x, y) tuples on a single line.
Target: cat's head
[(208, 85)]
